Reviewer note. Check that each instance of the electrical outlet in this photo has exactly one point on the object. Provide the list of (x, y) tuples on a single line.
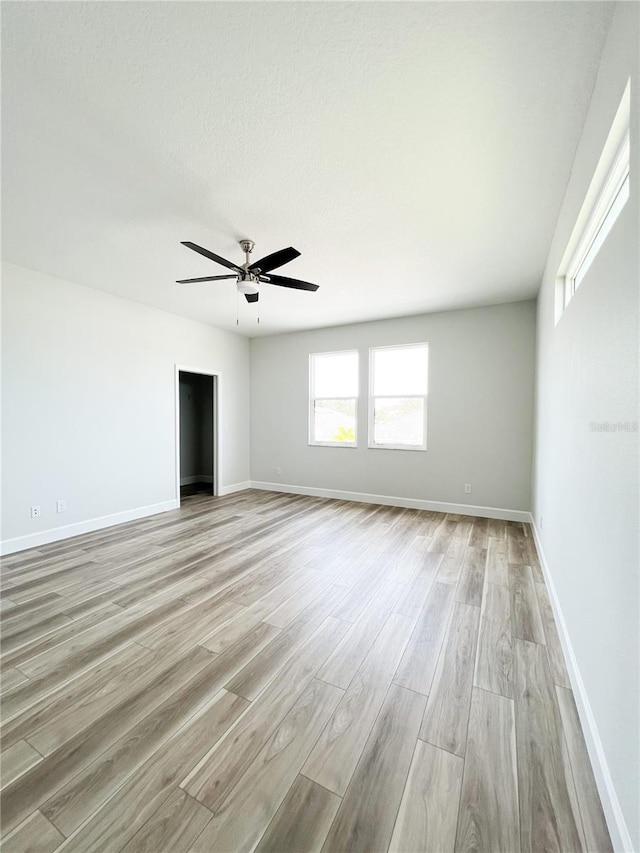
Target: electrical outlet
[(467, 488), (61, 506), (35, 511), (278, 471)]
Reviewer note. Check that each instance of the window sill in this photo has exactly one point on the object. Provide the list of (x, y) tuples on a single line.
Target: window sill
[(343, 444), (419, 448)]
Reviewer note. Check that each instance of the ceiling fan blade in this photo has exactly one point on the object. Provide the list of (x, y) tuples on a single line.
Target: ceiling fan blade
[(210, 255), (284, 281), (206, 278), (251, 297), (277, 259)]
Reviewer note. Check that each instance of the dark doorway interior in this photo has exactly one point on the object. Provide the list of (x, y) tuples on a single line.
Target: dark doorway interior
[(196, 434)]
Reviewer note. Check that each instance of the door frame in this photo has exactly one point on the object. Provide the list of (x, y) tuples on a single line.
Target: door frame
[(217, 381)]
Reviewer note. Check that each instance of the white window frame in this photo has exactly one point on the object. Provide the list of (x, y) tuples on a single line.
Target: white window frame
[(312, 440), (373, 397), (605, 199)]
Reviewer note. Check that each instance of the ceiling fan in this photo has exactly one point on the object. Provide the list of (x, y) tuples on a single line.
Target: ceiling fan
[(249, 275)]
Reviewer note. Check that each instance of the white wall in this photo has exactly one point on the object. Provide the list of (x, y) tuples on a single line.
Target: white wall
[(586, 483), (88, 401), (480, 410)]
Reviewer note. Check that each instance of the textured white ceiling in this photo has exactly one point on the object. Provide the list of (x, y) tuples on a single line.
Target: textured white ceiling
[(415, 153)]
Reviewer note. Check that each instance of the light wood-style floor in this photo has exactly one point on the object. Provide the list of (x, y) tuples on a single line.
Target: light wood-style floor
[(281, 673)]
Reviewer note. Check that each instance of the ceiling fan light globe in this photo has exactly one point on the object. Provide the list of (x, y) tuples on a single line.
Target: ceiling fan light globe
[(247, 286)]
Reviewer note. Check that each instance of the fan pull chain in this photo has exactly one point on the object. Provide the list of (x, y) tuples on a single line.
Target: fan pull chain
[(237, 310)]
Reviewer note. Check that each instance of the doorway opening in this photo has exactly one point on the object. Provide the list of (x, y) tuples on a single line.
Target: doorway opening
[(196, 433)]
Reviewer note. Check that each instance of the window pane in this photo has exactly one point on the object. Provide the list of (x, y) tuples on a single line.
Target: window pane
[(607, 224), (335, 374), (400, 370), (398, 421), (335, 420)]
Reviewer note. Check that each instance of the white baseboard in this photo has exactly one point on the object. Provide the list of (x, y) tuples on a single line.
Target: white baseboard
[(55, 534), (620, 837), (196, 478), (234, 487), (389, 500)]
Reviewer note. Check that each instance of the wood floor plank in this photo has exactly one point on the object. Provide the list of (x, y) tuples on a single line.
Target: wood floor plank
[(547, 820), (552, 638), (336, 754), (573, 796), (83, 794), (193, 625), (249, 808), (360, 595), (451, 565), (469, 589), (12, 561), (37, 785), (348, 655), (593, 820), (447, 715), (232, 631), (255, 676), (410, 560), (412, 602), (118, 820), (286, 612), (75, 710), (526, 621), (87, 648), (302, 822), (76, 800), (34, 835), (480, 533), (10, 678), (16, 760), (442, 537), (72, 628), (173, 827), (215, 776), (429, 808), (366, 817), (32, 609), (29, 591), (488, 817), (497, 529), (517, 547), (534, 560), (494, 659), (464, 527), (13, 639), (55, 708), (497, 561), (418, 664)]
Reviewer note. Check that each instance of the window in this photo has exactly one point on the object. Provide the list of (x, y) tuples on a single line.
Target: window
[(333, 398), (398, 397), (606, 197)]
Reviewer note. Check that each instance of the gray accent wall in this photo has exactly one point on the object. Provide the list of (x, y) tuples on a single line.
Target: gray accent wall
[(480, 410)]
